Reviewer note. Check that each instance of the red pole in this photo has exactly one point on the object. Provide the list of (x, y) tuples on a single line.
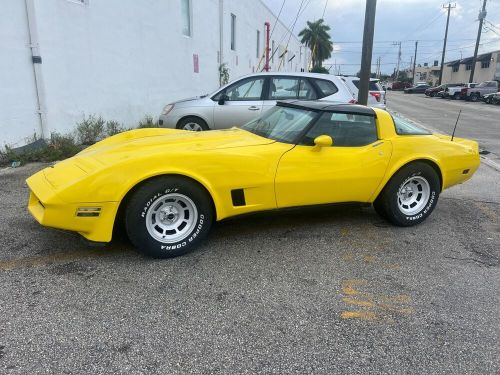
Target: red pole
[(268, 26)]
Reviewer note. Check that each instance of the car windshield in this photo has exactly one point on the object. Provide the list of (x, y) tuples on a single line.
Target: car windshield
[(404, 127), (482, 84), (283, 124)]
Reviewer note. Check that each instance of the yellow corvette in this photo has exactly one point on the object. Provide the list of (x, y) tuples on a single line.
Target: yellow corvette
[(170, 185)]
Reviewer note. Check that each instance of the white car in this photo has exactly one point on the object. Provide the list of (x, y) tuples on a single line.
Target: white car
[(248, 97), (376, 95)]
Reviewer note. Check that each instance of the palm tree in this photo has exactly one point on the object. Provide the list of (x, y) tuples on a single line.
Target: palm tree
[(316, 37)]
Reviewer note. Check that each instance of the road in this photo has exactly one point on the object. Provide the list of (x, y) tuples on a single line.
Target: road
[(330, 291), (478, 121)]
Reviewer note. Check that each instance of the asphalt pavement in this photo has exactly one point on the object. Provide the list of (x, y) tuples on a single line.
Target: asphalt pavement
[(320, 291), (478, 121)]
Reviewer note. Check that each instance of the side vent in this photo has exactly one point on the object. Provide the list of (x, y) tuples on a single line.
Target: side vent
[(238, 197)]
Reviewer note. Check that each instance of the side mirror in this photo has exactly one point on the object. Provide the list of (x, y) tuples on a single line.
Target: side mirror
[(223, 98), (323, 141)]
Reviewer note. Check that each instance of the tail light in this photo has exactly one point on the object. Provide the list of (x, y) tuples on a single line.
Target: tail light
[(376, 95)]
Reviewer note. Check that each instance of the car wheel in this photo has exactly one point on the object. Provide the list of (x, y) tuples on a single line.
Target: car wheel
[(456, 96), (432, 94), (474, 97), (410, 195), (193, 124), (168, 216), (488, 101)]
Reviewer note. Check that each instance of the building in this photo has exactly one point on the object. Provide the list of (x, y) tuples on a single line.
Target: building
[(123, 59), (426, 73), (487, 68)]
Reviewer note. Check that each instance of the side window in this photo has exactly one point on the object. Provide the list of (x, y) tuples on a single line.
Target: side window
[(249, 89), (346, 130), (283, 88), (306, 91), (326, 88)]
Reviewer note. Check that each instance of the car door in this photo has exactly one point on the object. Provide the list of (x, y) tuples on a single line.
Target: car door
[(348, 171), (241, 102), (288, 87)]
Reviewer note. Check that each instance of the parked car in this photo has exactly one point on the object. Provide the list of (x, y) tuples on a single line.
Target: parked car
[(433, 91), (418, 89), (376, 97), (246, 98), (399, 85), (454, 91), (176, 183), (493, 98), (441, 94), (476, 93)]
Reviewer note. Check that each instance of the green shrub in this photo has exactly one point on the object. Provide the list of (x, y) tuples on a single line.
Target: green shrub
[(113, 127), (90, 130), (148, 122)]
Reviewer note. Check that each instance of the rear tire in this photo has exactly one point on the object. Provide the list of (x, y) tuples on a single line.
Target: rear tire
[(456, 96), (432, 94), (410, 195), (168, 216), (474, 97)]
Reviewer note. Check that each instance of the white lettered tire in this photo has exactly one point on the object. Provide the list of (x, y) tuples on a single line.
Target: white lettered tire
[(410, 195), (168, 216)]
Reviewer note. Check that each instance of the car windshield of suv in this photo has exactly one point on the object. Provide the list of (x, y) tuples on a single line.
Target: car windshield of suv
[(404, 127), (283, 124)]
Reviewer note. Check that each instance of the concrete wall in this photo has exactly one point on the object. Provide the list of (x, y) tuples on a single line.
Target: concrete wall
[(18, 103), (123, 59)]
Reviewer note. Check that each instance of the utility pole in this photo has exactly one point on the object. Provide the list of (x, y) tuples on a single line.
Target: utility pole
[(449, 6), (415, 61), (399, 59), (366, 54), (482, 16)]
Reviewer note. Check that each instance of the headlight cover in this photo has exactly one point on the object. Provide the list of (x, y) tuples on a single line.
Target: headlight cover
[(167, 109)]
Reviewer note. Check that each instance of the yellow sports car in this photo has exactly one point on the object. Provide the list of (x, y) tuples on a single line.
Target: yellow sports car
[(169, 185)]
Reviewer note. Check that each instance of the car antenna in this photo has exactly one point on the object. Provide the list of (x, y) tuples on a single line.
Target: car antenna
[(455, 128)]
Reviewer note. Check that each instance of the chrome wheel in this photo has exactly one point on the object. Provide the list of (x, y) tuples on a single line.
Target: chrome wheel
[(192, 126), (171, 218), (413, 195)]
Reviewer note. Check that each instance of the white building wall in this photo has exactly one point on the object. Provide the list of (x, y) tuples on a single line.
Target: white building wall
[(123, 59), (18, 103)]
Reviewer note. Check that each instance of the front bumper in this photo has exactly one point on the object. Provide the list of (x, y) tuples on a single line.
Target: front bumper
[(93, 220)]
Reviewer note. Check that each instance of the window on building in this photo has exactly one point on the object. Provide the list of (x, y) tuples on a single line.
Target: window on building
[(186, 17), (485, 64), (468, 66), (233, 32), (258, 43), (455, 68)]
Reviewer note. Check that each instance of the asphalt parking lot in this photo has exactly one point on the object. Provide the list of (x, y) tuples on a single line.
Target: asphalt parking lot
[(321, 291)]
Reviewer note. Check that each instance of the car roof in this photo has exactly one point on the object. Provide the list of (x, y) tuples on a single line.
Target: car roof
[(327, 106), (352, 78), (297, 74)]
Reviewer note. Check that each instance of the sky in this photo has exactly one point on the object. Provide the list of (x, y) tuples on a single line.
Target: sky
[(402, 21)]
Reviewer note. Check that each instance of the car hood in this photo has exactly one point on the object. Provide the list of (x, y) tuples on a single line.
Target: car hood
[(146, 142)]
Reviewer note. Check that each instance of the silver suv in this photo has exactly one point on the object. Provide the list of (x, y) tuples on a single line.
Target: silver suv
[(376, 95), (245, 99)]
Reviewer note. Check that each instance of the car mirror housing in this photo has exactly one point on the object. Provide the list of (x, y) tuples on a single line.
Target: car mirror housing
[(223, 98), (323, 141)]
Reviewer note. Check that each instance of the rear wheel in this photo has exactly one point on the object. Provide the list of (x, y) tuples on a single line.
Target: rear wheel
[(432, 94), (456, 96), (410, 195), (474, 97), (193, 124), (168, 216)]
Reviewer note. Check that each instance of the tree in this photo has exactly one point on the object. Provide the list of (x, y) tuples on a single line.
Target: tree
[(316, 36)]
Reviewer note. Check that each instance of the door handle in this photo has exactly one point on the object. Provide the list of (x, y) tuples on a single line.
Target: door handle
[(253, 108)]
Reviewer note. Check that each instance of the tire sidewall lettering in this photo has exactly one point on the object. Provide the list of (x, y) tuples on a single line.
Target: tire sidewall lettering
[(155, 197)]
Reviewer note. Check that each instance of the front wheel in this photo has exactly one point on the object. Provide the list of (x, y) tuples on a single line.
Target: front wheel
[(432, 94), (410, 195), (168, 216), (192, 124)]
